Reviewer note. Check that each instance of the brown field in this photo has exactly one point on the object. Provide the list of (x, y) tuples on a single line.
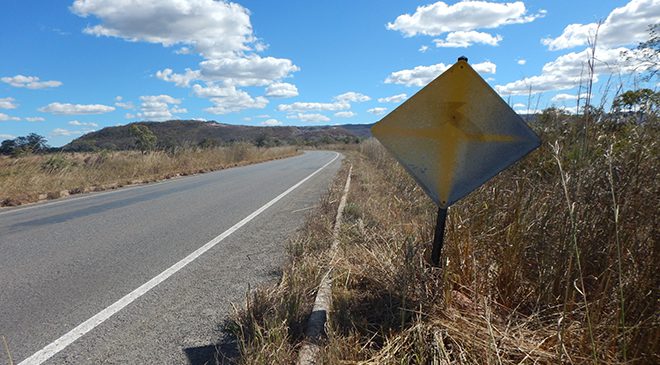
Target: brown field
[(32, 178), (555, 260)]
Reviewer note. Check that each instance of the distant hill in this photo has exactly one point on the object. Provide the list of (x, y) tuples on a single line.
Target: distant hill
[(181, 133)]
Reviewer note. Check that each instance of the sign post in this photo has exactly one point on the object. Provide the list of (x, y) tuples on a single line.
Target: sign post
[(452, 136), (439, 236)]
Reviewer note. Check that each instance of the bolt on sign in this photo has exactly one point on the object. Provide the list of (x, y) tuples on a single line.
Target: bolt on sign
[(454, 135)]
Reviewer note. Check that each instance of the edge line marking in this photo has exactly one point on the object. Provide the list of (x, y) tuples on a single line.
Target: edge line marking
[(68, 338)]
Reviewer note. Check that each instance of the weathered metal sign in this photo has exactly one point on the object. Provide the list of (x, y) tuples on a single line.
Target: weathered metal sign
[(455, 134)]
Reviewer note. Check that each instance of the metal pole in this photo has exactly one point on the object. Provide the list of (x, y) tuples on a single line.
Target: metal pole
[(439, 236)]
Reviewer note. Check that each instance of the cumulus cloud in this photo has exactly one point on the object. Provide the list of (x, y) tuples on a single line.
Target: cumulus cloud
[(422, 75), (521, 61), (252, 70), (567, 97), (75, 109), (348, 114), (438, 18), (35, 119), (311, 118), (229, 99), (271, 123), (352, 97), (158, 107), (122, 104), (8, 103), (83, 124), (29, 82), (627, 25), (7, 136), (567, 71), (393, 99), (181, 80), (125, 105), (61, 132), (220, 31), (377, 111), (211, 28), (281, 90), (461, 20), (463, 39), (8, 118), (305, 106)]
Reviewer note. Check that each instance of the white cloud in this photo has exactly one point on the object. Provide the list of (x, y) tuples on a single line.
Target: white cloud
[(30, 82), (8, 103), (348, 114), (519, 105), (183, 50), (422, 75), (463, 39), (229, 99), (83, 124), (282, 90), (528, 111), (393, 99), (567, 71), (567, 97), (8, 118), (352, 97), (439, 18), (181, 80), (7, 136), (211, 28), (125, 105), (158, 107), (35, 119), (627, 25), (220, 31), (423, 49), (271, 123), (61, 132), (304, 107), (521, 61), (74, 109), (377, 111), (311, 118), (252, 70)]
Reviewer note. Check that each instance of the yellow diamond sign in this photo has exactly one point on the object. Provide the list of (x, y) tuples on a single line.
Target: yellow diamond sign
[(455, 134)]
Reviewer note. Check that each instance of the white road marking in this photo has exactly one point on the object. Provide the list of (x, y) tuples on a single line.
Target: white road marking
[(303, 209), (61, 343)]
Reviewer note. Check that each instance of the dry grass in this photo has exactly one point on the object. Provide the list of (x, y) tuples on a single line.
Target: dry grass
[(553, 261), (38, 177)]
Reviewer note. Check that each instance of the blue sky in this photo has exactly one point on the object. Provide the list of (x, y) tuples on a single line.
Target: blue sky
[(70, 67)]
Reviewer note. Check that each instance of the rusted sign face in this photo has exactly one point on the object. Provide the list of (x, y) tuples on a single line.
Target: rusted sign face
[(455, 134)]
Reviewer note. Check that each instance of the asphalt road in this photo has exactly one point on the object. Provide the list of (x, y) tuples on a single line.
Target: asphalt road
[(64, 262)]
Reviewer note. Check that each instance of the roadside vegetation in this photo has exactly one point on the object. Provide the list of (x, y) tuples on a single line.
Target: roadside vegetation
[(555, 260), (30, 174)]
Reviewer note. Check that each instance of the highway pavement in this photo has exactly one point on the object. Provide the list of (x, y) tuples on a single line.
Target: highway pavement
[(147, 274)]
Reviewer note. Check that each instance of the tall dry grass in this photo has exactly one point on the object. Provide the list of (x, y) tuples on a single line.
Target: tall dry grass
[(36, 177), (555, 260)]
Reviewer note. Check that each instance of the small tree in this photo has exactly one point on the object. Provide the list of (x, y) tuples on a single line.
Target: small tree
[(145, 139), (32, 143), (642, 102)]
